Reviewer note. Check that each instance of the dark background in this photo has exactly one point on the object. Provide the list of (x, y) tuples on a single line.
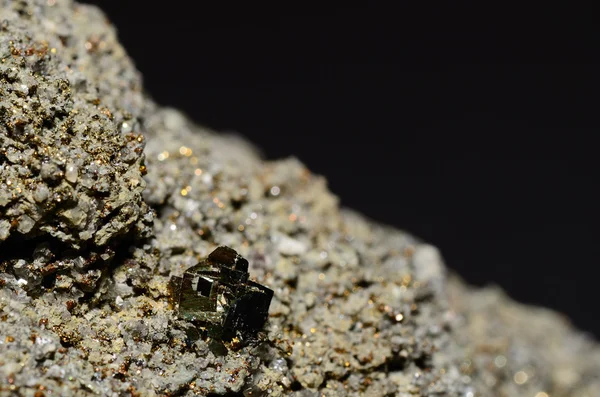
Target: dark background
[(447, 133)]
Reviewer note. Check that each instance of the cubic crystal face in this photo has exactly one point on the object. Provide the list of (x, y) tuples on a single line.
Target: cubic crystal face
[(217, 296)]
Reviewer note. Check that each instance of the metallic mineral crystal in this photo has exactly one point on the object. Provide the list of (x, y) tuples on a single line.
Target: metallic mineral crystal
[(217, 294)]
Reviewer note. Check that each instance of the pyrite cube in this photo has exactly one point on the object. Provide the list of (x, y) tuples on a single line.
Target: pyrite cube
[(217, 295)]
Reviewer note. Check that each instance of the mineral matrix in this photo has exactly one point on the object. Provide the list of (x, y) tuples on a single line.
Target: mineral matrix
[(104, 196)]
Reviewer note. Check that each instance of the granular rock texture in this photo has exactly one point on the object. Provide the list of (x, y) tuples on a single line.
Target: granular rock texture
[(359, 309), (70, 165), (514, 350)]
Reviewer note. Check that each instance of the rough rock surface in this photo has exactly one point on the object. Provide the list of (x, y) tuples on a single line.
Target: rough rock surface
[(359, 308), (70, 165)]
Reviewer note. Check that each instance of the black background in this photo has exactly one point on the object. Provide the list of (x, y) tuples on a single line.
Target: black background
[(445, 132)]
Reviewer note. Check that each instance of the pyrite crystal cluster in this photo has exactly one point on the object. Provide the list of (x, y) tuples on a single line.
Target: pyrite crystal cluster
[(217, 296)]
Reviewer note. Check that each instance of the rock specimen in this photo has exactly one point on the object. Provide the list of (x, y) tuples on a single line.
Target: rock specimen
[(358, 308)]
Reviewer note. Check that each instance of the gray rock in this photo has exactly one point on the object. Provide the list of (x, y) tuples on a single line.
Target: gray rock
[(67, 171), (360, 309)]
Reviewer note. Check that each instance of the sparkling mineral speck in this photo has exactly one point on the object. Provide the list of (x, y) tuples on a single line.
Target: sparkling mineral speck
[(71, 173), (275, 190)]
